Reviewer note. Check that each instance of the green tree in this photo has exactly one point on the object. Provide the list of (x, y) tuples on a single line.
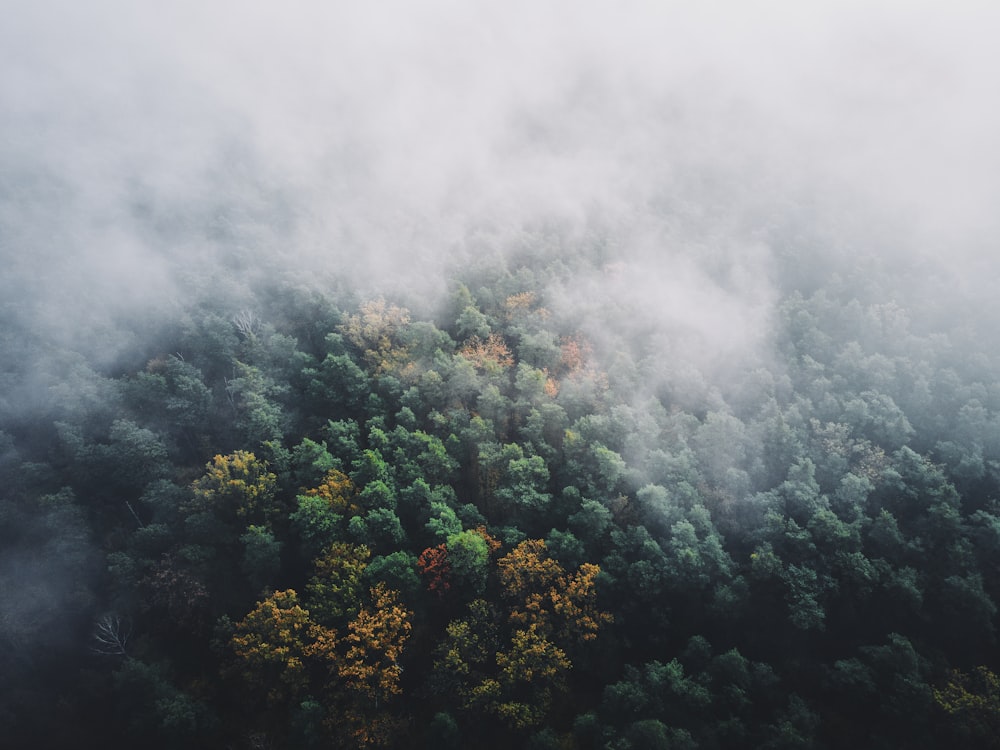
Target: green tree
[(334, 592), (261, 556), (468, 561)]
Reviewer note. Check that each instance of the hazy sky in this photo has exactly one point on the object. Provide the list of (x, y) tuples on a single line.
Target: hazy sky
[(143, 142)]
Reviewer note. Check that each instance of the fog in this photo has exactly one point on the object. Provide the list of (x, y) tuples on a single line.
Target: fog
[(152, 152)]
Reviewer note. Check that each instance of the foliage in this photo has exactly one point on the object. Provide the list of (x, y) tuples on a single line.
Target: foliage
[(546, 598), (973, 699), (237, 486), (507, 532), (375, 641), (376, 331), (334, 592), (274, 645)]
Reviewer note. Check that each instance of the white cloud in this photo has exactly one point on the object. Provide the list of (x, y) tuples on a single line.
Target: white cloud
[(374, 139)]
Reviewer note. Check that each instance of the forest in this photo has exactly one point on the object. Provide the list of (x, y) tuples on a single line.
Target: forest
[(591, 376), (324, 521)]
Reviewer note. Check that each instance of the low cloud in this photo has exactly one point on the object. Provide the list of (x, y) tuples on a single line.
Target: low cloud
[(147, 149)]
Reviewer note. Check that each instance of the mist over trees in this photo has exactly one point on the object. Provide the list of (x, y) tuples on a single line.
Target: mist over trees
[(494, 376)]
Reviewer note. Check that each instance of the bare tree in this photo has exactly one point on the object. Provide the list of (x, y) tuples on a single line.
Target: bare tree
[(111, 635), (246, 323)]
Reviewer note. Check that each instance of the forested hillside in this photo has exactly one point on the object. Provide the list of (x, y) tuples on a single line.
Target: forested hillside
[(316, 521), (591, 376)]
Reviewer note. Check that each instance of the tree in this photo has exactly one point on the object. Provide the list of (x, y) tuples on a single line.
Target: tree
[(261, 556), (135, 456), (175, 392), (379, 528), (804, 608), (522, 494), (334, 592), (468, 557), (656, 691), (533, 664), (443, 521), (375, 642), (464, 657), (316, 523), (338, 491), (173, 588), (311, 463), (544, 595), (111, 635), (257, 413), (236, 488), (397, 571), (591, 522), (491, 356), (434, 566), (275, 643), (338, 387), (376, 330), (155, 712), (973, 701)]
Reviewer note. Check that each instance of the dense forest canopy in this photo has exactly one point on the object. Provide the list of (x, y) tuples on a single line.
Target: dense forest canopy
[(484, 375)]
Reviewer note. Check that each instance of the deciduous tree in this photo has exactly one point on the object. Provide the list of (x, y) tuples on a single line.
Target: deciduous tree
[(275, 643), (375, 640)]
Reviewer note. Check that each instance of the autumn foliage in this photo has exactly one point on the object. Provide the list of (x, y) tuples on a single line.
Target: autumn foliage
[(375, 641), (544, 596), (434, 567), (275, 643), (491, 355), (512, 663), (283, 655), (339, 491), (236, 484), (376, 331)]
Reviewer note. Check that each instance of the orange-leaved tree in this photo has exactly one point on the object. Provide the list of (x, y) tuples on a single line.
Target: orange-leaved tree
[(369, 671), (434, 566), (549, 610), (544, 595), (339, 492), (491, 356), (375, 641)]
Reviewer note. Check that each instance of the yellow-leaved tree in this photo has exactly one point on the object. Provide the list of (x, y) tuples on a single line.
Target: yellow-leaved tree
[(275, 645), (376, 330), (973, 701), (549, 610), (237, 487)]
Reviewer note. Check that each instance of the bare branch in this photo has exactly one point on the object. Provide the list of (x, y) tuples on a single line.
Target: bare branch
[(134, 515), (246, 323), (111, 636)]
